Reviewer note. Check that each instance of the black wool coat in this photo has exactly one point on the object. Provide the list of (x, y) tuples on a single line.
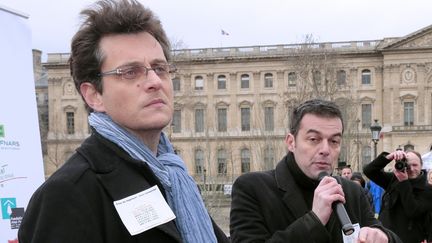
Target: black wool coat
[(269, 207), (406, 205), (76, 203)]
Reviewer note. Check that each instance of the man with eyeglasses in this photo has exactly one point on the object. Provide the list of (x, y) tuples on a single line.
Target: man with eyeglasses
[(124, 183)]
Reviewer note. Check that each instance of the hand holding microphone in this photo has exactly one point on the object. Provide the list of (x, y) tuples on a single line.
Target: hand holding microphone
[(330, 194)]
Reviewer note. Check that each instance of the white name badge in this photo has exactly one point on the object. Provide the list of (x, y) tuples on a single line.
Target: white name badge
[(144, 210), (352, 238)]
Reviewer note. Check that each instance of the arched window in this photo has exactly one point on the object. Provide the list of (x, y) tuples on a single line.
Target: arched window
[(408, 147), (221, 82), (244, 81), (199, 83), (366, 76), (268, 80), (292, 79)]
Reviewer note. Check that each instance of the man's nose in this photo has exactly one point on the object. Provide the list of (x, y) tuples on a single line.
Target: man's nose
[(325, 148), (152, 79)]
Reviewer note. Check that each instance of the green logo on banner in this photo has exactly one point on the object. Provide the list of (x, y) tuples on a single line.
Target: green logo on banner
[(1, 131)]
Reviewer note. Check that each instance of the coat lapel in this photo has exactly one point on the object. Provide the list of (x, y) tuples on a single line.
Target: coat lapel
[(292, 198), (122, 176)]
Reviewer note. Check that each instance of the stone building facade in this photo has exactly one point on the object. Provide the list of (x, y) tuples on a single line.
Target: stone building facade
[(232, 104)]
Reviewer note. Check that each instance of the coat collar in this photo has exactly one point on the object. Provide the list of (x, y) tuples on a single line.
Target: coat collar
[(121, 175), (293, 197)]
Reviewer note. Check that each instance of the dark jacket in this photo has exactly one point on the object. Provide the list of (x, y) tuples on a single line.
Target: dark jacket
[(404, 204), (269, 207), (76, 203)]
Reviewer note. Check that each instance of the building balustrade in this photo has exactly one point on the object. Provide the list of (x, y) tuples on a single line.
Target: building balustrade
[(269, 50), (412, 128)]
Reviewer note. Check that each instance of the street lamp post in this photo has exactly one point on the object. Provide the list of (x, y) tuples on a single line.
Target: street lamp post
[(204, 177), (375, 129)]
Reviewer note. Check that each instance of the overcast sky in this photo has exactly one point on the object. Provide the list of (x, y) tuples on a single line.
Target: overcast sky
[(198, 23)]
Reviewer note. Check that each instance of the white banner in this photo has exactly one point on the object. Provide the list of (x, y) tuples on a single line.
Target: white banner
[(21, 164), (427, 161)]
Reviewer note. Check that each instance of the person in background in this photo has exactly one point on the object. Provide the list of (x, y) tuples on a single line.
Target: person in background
[(358, 178), (291, 203), (124, 183), (346, 172), (407, 198), (377, 193)]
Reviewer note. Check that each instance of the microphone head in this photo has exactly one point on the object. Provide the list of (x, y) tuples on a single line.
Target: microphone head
[(322, 174)]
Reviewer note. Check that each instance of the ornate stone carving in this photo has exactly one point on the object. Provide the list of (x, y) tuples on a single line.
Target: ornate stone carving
[(69, 89), (423, 41), (408, 75)]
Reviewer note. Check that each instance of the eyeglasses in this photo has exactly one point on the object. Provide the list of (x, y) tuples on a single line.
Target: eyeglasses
[(164, 71)]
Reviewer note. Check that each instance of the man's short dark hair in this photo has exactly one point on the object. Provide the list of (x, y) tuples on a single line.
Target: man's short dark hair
[(357, 176), (107, 17), (318, 107)]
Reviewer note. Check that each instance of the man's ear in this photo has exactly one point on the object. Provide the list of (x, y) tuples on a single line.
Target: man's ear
[(92, 97), (290, 142)]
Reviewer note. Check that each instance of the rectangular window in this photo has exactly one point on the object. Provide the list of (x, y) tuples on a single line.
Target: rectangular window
[(176, 123), (199, 83), (245, 167), (222, 169), (199, 120), (366, 112), (408, 113), (245, 119), (366, 155), (70, 122), (222, 119), (316, 76), (269, 158), (341, 77), (45, 121), (176, 84), (199, 162), (269, 118)]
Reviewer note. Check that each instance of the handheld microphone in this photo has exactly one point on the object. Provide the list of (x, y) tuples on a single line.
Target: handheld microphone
[(338, 207)]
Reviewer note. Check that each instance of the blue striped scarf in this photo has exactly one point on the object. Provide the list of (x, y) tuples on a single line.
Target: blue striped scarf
[(193, 221)]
